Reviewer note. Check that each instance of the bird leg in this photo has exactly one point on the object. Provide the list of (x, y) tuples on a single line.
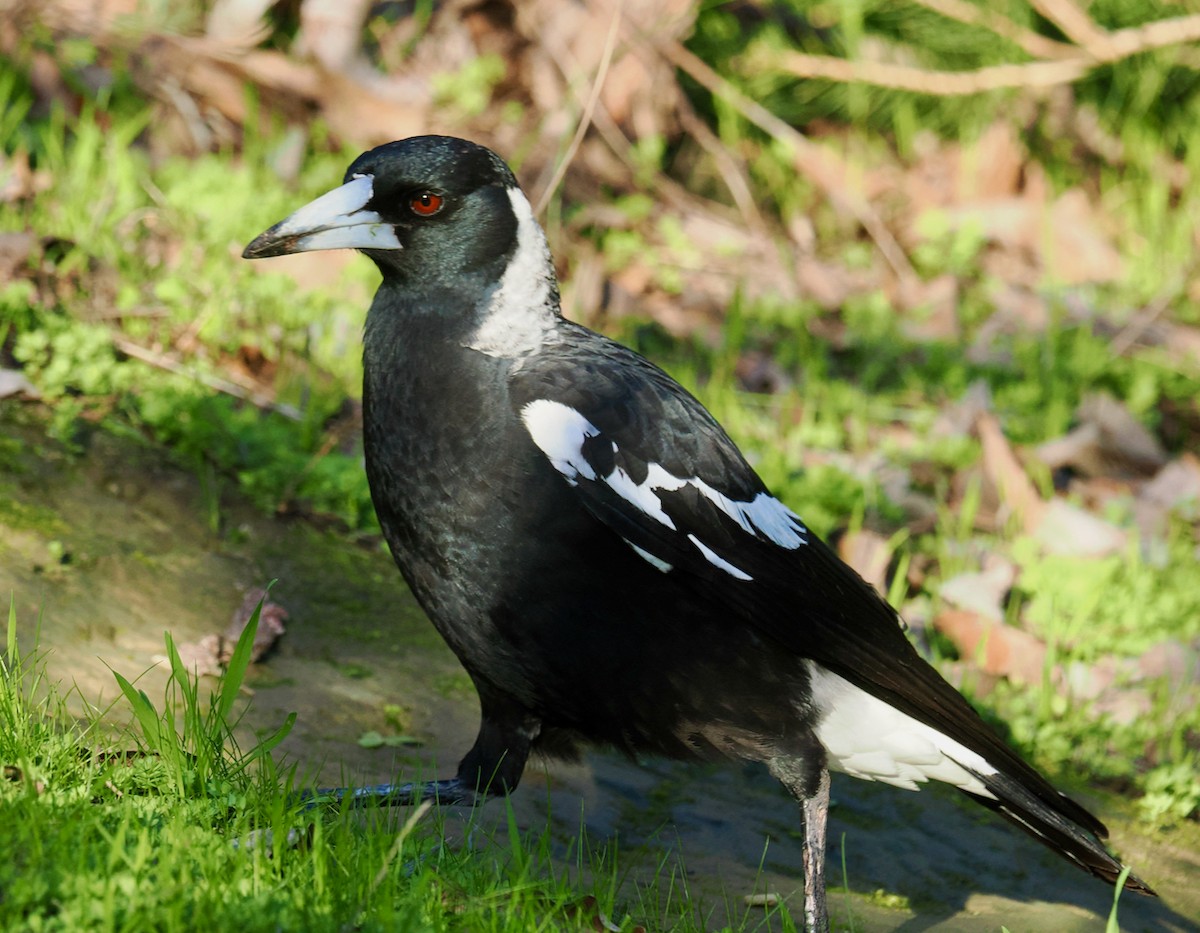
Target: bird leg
[(797, 776)]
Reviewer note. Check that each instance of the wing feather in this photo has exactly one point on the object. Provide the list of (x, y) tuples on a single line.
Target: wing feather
[(653, 466)]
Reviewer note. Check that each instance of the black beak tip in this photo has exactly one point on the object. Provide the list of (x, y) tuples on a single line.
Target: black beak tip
[(266, 245)]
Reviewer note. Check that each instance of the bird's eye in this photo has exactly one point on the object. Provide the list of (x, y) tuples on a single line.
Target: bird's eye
[(426, 204)]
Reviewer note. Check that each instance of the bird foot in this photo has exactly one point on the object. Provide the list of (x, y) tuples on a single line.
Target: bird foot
[(449, 791)]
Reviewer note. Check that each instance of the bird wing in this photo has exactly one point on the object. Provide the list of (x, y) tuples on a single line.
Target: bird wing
[(647, 460), (653, 466)]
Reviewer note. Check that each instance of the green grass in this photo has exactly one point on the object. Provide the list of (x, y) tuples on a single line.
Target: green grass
[(147, 827), (147, 250)]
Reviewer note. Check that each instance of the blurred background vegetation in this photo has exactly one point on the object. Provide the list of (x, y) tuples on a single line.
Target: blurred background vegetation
[(933, 263)]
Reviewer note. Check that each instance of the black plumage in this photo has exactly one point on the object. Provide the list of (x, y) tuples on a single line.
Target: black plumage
[(596, 550)]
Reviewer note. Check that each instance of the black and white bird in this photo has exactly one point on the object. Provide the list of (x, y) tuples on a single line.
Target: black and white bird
[(597, 551)]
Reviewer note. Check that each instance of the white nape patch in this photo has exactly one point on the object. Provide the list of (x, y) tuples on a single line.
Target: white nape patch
[(560, 431), (520, 315), (866, 738), (717, 561), (650, 558), (338, 220)]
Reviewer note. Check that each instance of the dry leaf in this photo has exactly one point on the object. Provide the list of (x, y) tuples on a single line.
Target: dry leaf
[(331, 31), (1004, 471), (1068, 530), (238, 22), (1109, 441), (1176, 484), (982, 593), (995, 649), (270, 625), (14, 383), (868, 553)]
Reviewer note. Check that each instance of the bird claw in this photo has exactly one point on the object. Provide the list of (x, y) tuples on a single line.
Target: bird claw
[(449, 791)]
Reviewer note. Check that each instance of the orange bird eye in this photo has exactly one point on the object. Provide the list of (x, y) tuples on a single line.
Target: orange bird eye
[(426, 204)]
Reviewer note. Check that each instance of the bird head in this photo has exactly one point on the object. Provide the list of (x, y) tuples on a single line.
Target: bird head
[(424, 209)]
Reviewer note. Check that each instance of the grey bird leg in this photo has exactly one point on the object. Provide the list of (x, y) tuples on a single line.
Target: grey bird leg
[(814, 811)]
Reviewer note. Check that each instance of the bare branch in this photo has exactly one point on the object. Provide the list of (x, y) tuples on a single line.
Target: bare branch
[(585, 119), (938, 83), (170, 364), (1109, 48), (1077, 26), (810, 159), (1030, 42)]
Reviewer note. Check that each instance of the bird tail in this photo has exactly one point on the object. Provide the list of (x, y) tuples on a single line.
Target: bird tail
[(1060, 824)]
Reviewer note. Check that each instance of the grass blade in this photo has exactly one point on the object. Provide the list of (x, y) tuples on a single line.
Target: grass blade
[(235, 671), (1113, 926), (143, 710)]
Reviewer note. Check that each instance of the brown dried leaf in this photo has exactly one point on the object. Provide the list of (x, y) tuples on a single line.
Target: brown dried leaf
[(238, 22), (1175, 484), (376, 113), (201, 657), (270, 625), (331, 31), (1068, 530), (1182, 343), (932, 308), (13, 382), (1075, 249), (827, 284), (990, 169), (960, 417), (1004, 471), (18, 180), (588, 916), (995, 649), (868, 553), (983, 592), (16, 249), (1109, 441)]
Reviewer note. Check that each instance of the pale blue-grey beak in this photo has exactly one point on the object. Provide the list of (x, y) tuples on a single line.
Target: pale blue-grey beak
[(337, 219)]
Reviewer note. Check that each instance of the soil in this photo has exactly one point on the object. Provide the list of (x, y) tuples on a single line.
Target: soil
[(106, 547)]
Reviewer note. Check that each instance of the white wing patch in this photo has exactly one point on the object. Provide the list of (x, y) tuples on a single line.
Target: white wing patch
[(717, 561), (649, 558), (560, 432), (866, 738)]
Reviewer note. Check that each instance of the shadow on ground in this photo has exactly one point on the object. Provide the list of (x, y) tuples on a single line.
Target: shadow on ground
[(113, 546)]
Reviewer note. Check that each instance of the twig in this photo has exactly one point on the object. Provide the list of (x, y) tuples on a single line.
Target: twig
[(937, 83), (1097, 47), (1077, 26), (1132, 332), (728, 166), (1174, 31), (1030, 42), (216, 383), (810, 159), (585, 119)]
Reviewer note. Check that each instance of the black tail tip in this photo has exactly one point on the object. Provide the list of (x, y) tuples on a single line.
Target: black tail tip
[(1135, 884)]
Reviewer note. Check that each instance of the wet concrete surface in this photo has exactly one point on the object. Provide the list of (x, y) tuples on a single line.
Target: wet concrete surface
[(114, 545)]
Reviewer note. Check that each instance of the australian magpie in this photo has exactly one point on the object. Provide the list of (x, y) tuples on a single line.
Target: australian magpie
[(597, 551)]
